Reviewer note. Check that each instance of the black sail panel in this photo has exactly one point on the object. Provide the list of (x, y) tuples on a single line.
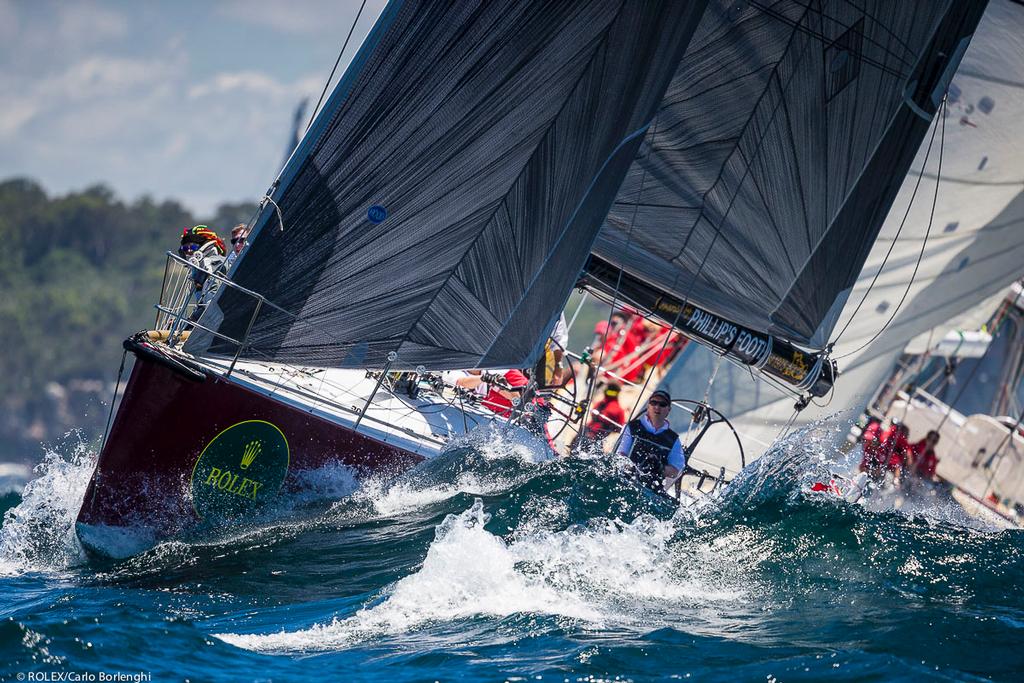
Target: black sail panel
[(777, 153), (455, 184)]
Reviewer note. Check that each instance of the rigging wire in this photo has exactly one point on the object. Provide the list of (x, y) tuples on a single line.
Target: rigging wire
[(352, 28), (113, 401), (792, 419), (798, 26), (618, 281), (895, 238), (924, 242)]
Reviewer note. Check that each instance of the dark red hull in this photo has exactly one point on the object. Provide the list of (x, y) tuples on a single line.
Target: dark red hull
[(183, 452)]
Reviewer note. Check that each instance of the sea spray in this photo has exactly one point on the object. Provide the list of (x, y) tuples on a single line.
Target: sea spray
[(38, 534), (467, 572), (605, 572)]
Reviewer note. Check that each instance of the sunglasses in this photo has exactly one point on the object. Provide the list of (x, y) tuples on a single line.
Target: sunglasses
[(659, 404), (188, 248), (236, 240)]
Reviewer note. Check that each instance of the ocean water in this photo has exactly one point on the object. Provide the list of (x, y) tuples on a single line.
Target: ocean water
[(494, 563)]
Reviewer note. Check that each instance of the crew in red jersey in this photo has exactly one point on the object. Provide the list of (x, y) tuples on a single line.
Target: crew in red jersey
[(923, 459), (496, 397), (666, 355), (608, 415), (896, 448), (620, 345), (638, 330)]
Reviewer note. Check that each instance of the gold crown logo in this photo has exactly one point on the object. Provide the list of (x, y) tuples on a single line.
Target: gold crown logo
[(252, 449)]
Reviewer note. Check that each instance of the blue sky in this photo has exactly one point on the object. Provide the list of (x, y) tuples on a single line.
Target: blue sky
[(184, 100)]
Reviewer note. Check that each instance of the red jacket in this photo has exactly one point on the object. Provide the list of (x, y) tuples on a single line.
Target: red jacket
[(611, 417), (498, 403), (923, 461), (895, 448)]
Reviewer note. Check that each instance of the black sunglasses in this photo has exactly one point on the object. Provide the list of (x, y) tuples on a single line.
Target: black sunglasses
[(660, 404), (236, 240)]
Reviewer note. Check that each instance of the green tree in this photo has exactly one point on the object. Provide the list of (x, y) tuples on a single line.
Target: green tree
[(78, 273)]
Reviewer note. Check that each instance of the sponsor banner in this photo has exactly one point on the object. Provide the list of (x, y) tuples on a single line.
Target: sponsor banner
[(771, 356)]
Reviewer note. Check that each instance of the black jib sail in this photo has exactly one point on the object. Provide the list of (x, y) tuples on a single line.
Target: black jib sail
[(776, 155), (445, 201)]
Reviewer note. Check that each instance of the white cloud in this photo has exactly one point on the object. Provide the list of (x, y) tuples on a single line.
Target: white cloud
[(251, 81), (108, 81), (109, 76)]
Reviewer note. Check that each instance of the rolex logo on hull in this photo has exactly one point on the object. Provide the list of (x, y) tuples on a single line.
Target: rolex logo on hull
[(252, 449), (239, 470)]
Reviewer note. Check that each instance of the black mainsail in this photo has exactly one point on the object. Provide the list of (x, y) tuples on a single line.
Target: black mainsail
[(445, 201)]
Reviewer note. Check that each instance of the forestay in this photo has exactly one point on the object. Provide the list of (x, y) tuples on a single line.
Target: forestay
[(777, 152), (445, 200)]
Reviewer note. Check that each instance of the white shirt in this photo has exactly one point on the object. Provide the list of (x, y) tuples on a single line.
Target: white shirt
[(675, 456), (560, 333)]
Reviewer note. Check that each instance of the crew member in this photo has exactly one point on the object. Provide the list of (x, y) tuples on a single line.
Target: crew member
[(652, 446), (871, 444), (202, 248), (923, 458), (239, 235), (895, 448), (496, 397), (550, 370)]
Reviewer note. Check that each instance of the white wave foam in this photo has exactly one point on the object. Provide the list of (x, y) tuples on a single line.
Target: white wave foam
[(390, 498), (38, 534), (331, 481), (609, 572), (500, 441), (468, 571), (403, 497)]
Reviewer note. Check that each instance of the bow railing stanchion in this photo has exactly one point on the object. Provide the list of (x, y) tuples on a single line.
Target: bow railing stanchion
[(177, 326), (245, 339), (160, 316), (176, 300), (392, 357)]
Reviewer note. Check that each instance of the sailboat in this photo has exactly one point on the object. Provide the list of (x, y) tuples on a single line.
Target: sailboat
[(723, 166), (970, 390)]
